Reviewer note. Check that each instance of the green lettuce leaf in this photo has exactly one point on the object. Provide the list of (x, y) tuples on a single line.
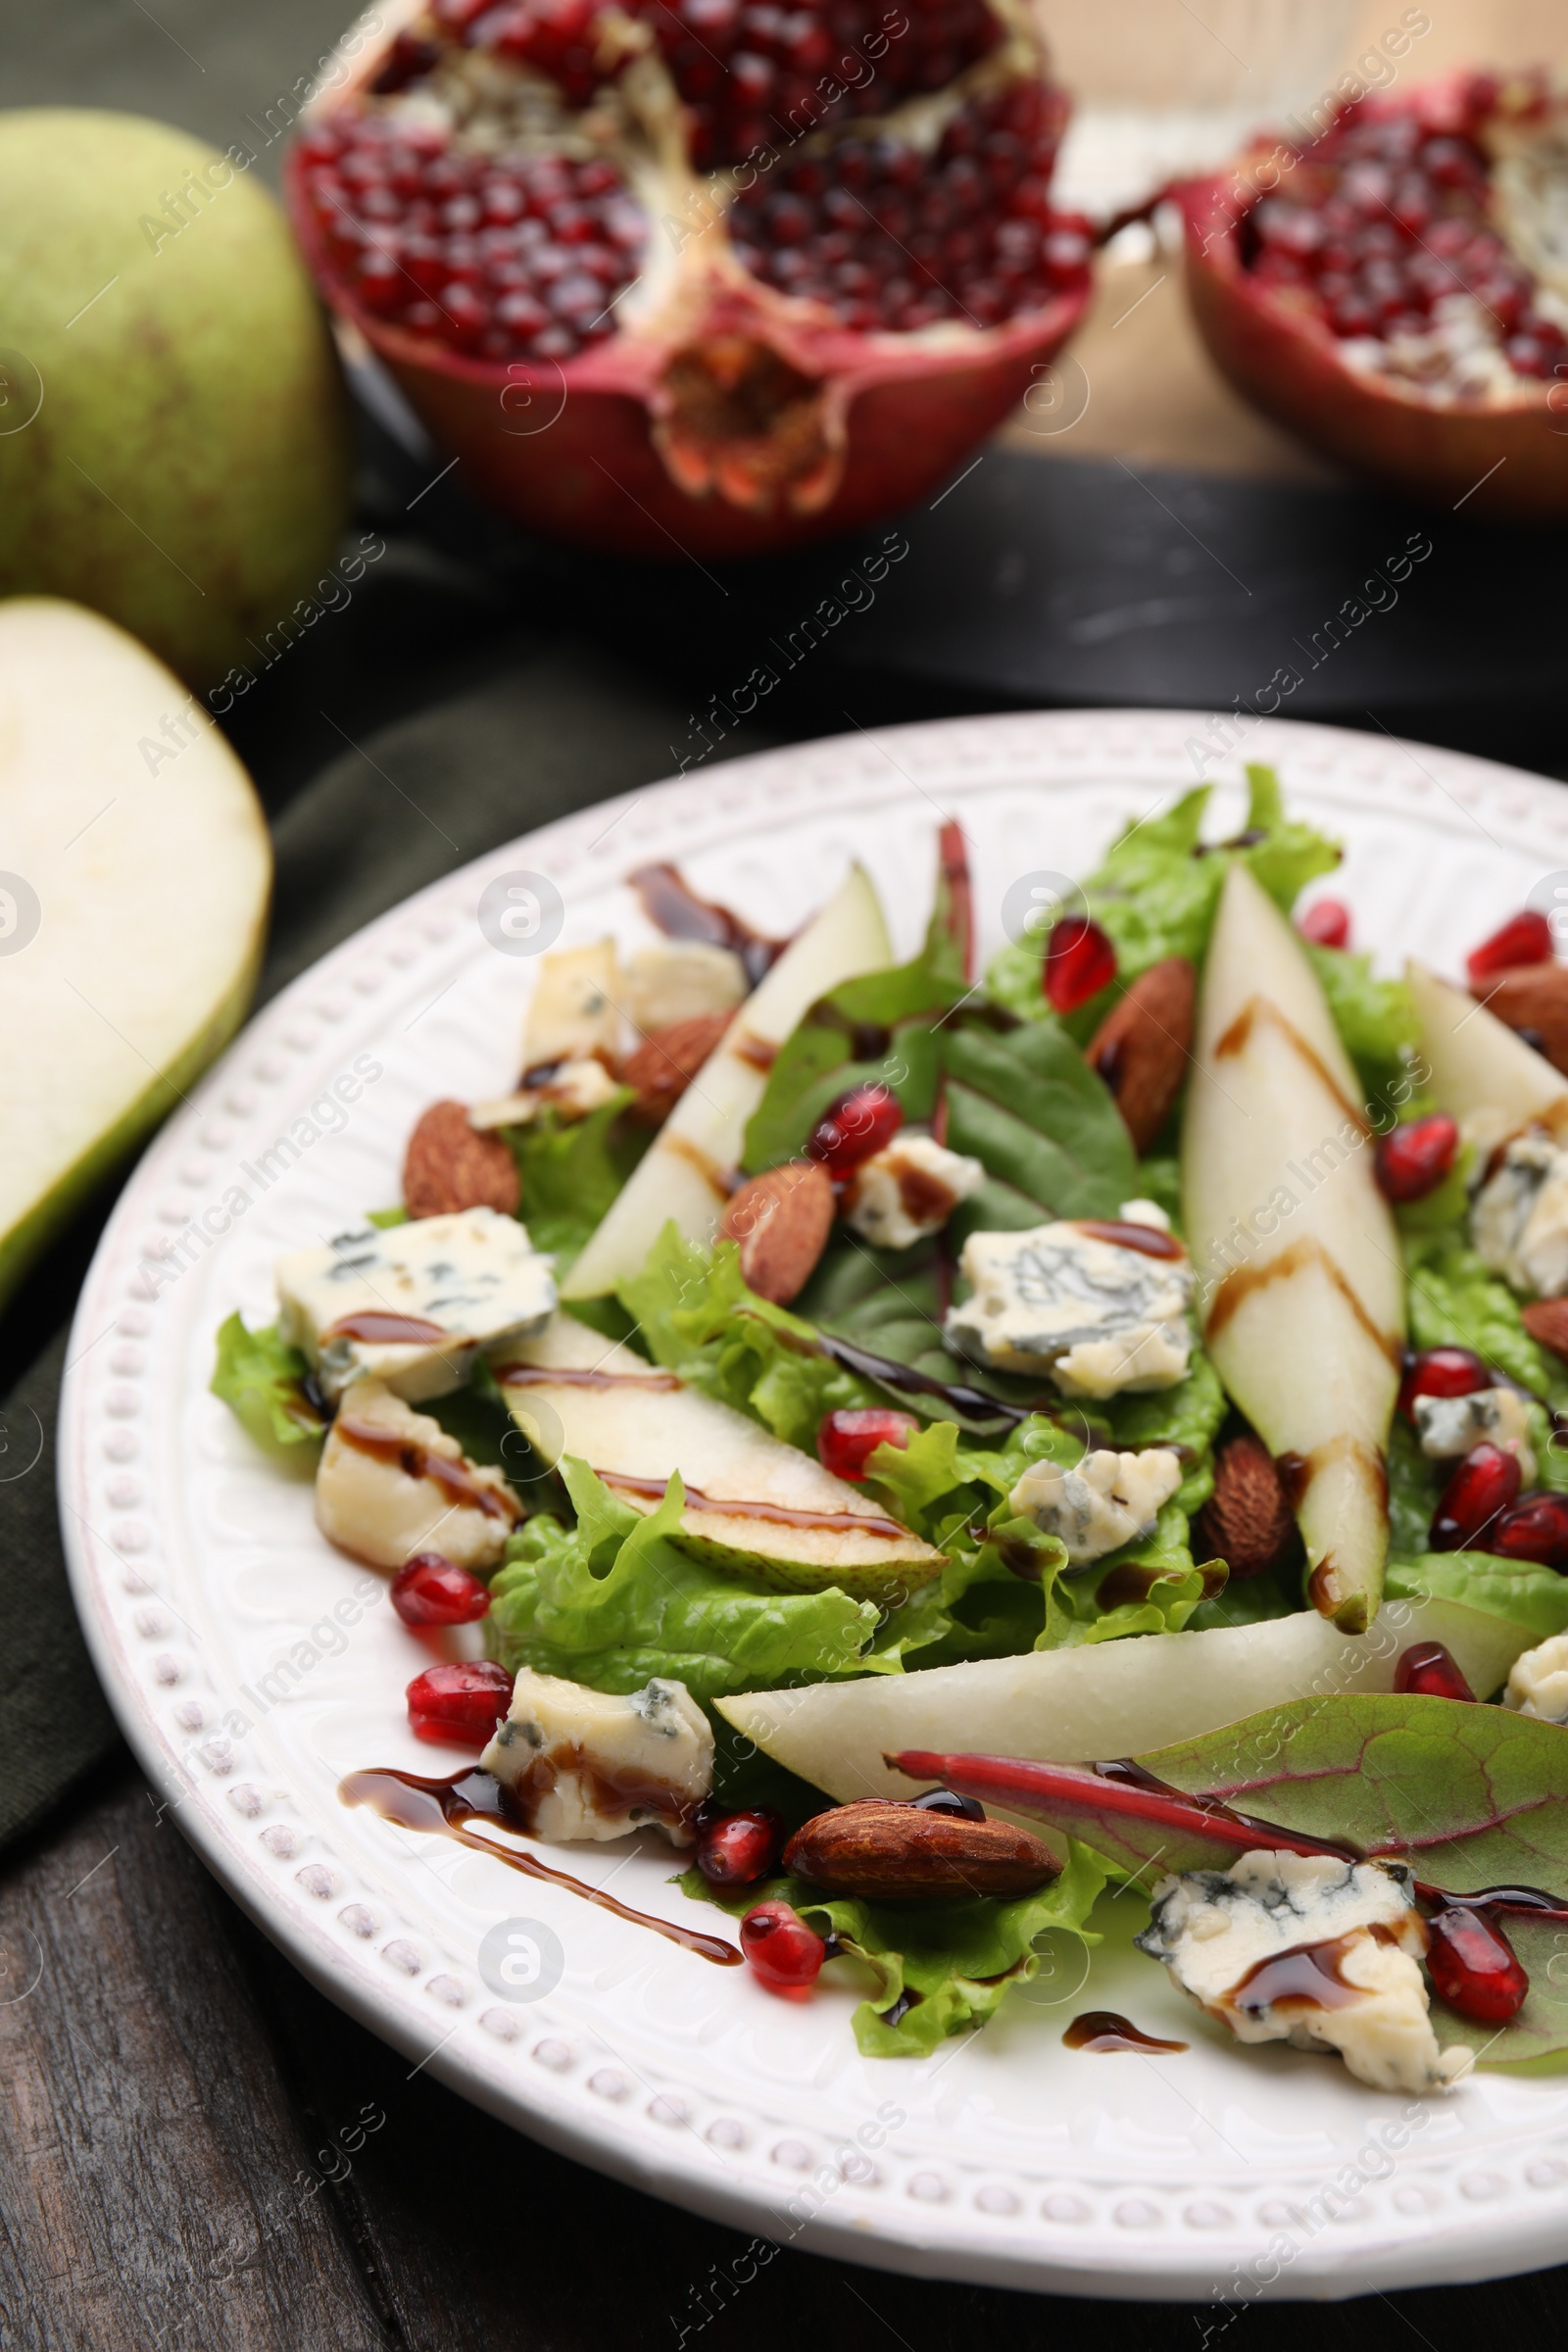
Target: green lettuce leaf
[(1413, 1491), (571, 1171), (1007, 1587), (1533, 1598), (1455, 1302), (1046, 1127), (260, 1377), (893, 1302), (1157, 887), (939, 1968), (615, 1599), (694, 1315)]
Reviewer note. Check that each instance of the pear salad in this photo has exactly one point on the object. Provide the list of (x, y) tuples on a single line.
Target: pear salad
[(933, 1445)]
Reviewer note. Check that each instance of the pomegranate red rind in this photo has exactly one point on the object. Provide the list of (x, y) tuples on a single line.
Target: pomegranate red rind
[(1502, 455), (707, 407)]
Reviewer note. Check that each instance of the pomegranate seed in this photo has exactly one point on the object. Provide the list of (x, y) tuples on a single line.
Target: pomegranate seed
[(854, 1128), (1473, 1966), (459, 1705), (781, 1947), (1523, 939), (464, 310), (1080, 962), (432, 1590), (1327, 922), (847, 1440), (1483, 1486), (947, 1800), (1442, 1372), (1535, 1528), (740, 1848), (1427, 1670), (1414, 1159)]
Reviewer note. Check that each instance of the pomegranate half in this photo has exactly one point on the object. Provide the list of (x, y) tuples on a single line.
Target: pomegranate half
[(701, 277), (1397, 292)]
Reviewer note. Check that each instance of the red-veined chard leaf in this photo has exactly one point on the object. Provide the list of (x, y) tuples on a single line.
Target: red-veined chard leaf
[(1472, 1797)]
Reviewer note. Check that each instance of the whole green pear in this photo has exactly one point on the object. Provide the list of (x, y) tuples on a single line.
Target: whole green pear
[(174, 439)]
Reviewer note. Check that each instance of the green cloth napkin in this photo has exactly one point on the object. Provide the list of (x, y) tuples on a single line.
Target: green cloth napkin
[(553, 727)]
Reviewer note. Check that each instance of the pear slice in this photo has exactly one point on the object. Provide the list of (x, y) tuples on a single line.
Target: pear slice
[(133, 906), (688, 1172), (1110, 1699), (1300, 1282), (755, 1504), (1482, 1072)]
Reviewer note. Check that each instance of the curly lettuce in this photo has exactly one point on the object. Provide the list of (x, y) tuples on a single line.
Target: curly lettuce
[(1157, 889), (260, 1378), (1458, 1302), (937, 1968)]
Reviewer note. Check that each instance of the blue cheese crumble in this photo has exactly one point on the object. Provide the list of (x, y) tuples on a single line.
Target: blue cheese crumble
[(1312, 1950), (460, 1283), (1099, 1316), (1106, 1501), (593, 1764), (1519, 1218)]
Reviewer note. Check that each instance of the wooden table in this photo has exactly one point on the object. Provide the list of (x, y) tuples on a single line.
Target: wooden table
[(170, 2085)]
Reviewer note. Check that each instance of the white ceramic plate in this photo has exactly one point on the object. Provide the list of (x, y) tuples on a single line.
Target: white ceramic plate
[(208, 1597)]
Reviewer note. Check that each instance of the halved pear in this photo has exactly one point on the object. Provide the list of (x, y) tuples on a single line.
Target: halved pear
[(1110, 1699), (688, 1173), (136, 869), (755, 1504), (1481, 1071), (1300, 1282)]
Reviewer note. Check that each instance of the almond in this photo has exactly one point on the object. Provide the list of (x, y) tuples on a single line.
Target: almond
[(1547, 1322), (1534, 997), (1246, 1521), (1144, 1045), (450, 1165), (781, 1221), (902, 1853), (667, 1062)]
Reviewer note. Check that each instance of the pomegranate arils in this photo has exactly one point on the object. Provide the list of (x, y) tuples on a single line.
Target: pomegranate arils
[(1442, 1372), (781, 1947), (845, 1441), (889, 237), (1427, 1670), (1535, 1528), (739, 1848), (468, 235), (1080, 960), (1473, 1966), (432, 1590), (1414, 1159), (1326, 922), (1525, 938), (1483, 1486), (860, 1124), (1385, 231), (459, 1705)]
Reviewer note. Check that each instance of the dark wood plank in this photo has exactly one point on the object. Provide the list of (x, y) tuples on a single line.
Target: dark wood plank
[(154, 2174), (170, 2085)]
